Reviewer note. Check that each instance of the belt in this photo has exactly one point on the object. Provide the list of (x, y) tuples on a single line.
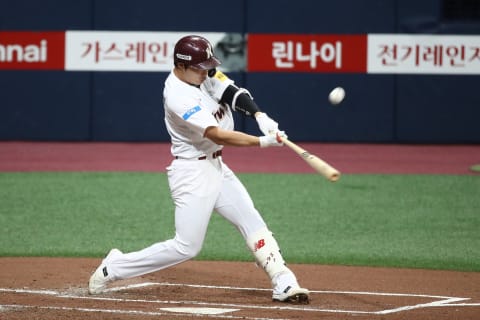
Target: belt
[(216, 154)]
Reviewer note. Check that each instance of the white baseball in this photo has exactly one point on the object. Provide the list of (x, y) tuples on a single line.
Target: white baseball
[(337, 95)]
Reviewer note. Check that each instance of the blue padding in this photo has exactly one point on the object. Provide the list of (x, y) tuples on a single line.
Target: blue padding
[(438, 109), (154, 15), (307, 16), (299, 102), (47, 105), (122, 106), (127, 106), (46, 15)]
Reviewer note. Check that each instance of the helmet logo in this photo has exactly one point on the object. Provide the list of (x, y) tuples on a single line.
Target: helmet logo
[(183, 57), (209, 51)]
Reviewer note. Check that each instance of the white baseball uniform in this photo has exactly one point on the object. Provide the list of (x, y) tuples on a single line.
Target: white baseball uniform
[(200, 183)]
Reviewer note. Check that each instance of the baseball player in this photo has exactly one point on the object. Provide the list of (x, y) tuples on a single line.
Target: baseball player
[(198, 103)]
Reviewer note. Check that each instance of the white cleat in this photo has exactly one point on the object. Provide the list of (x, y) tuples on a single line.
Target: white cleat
[(100, 278), (287, 289), (295, 295)]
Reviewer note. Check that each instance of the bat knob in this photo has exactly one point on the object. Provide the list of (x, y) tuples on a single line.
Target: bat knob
[(280, 136)]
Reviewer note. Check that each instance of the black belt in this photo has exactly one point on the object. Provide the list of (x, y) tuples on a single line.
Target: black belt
[(216, 154)]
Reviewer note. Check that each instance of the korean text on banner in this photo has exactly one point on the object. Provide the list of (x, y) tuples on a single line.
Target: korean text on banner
[(423, 54), (307, 53), (123, 50)]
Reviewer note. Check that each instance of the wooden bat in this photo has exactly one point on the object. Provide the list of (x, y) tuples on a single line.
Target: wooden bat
[(315, 162)]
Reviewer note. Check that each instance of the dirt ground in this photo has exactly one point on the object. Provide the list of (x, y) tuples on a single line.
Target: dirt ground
[(56, 288), (154, 157)]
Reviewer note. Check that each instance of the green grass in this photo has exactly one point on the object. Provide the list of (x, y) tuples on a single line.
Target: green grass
[(420, 221)]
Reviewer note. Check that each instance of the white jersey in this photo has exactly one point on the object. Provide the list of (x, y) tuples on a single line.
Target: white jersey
[(201, 183), (189, 110)]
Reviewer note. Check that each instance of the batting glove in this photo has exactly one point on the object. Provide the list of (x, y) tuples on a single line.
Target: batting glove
[(266, 124), (272, 140)]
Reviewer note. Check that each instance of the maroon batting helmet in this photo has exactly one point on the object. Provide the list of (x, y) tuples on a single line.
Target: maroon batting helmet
[(195, 51)]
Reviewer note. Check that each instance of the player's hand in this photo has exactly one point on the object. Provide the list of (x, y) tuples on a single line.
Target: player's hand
[(266, 124), (272, 140), (281, 134)]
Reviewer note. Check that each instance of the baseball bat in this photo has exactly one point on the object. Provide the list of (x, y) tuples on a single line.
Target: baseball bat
[(315, 162)]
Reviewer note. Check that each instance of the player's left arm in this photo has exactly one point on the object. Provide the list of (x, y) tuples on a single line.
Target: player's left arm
[(240, 100)]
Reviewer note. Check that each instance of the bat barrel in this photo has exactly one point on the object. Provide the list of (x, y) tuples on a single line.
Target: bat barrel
[(334, 176), (315, 162)]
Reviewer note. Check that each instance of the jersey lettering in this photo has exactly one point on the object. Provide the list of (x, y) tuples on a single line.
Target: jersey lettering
[(219, 114)]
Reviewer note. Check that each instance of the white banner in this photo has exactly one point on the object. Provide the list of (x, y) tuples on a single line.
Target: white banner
[(423, 54), (127, 51)]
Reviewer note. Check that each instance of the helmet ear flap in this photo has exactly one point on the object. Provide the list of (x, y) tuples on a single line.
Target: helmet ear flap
[(211, 72)]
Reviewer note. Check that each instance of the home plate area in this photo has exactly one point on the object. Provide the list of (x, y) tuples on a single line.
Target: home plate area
[(56, 288), (221, 302)]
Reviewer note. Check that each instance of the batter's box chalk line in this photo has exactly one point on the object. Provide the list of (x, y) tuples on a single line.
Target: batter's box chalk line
[(220, 310)]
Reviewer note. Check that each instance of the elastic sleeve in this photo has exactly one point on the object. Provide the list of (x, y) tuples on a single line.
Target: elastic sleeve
[(224, 90), (240, 100)]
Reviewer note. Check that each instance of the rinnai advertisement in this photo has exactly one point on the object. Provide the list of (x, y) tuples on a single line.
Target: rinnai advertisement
[(32, 50), (317, 53), (307, 53)]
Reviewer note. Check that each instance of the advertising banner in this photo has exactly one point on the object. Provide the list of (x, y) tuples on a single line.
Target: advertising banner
[(32, 50), (423, 54), (320, 53), (131, 51), (307, 53)]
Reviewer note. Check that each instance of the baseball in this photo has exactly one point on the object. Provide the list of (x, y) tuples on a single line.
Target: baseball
[(336, 96)]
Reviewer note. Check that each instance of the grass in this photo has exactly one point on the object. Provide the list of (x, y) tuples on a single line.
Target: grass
[(420, 221)]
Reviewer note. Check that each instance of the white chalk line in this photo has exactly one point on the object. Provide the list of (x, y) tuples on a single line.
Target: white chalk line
[(132, 286), (147, 284), (461, 305), (186, 302), (127, 312), (444, 301)]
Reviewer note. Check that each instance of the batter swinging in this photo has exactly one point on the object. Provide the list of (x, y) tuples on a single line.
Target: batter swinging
[(198, 102)]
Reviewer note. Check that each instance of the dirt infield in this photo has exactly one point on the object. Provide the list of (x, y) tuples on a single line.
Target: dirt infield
[(154, 157), (56, 288)]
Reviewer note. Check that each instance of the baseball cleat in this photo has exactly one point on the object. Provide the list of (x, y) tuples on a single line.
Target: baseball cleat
[(293, 295), (100, 278)]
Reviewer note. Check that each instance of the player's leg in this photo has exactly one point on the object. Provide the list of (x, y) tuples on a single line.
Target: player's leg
[(235, 204), (194, 202), (191, 224)]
